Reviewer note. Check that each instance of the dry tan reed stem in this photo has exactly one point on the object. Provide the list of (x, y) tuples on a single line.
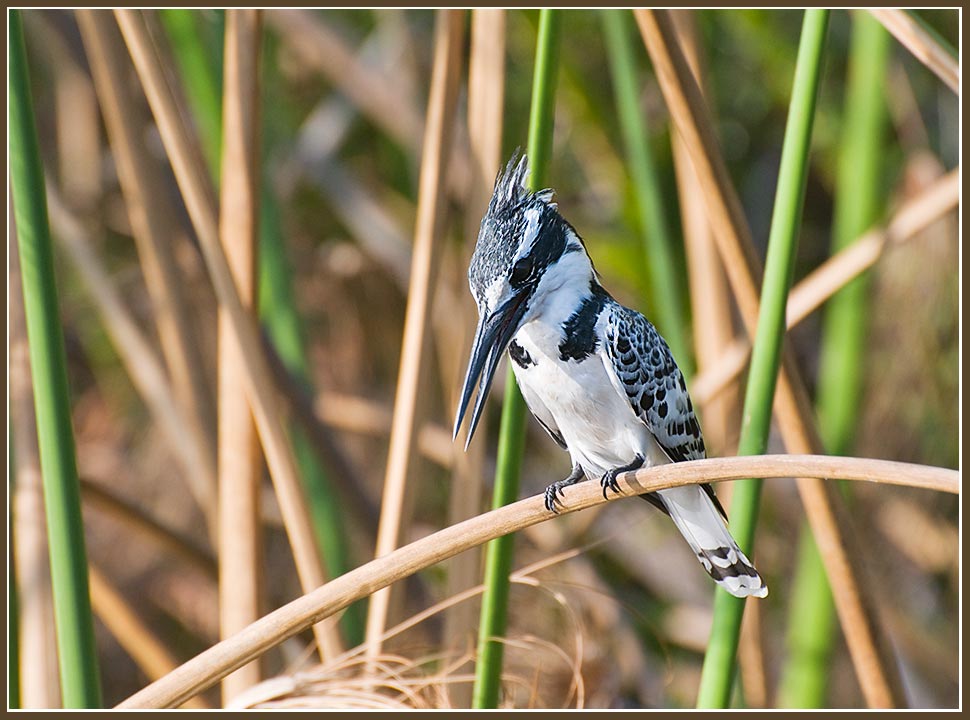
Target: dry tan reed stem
[(486, 103), (751, 658), (912, 218), (357, 414), (437, 140), (240, 461), (191, 176), (710, 298), (208, 667), (923, 46), (374, 94), (829, 277), (134, 350), (138, 521), (78, 131), (871, 652), (149, 653), (39, 679), (151, 225)]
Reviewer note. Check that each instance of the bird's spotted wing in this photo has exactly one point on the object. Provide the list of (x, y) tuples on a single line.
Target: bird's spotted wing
[(643, 367)]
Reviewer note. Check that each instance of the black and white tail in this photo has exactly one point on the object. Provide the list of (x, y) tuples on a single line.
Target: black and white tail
[(702, 526)]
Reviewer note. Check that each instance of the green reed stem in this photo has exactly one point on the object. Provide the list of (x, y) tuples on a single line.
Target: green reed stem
[(511, 441), (718, 672), (77, 654), (200, 68), (858, 199)]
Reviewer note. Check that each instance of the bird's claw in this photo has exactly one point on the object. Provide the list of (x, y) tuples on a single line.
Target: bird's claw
[(608, 482), (558, 488), (552, 500)]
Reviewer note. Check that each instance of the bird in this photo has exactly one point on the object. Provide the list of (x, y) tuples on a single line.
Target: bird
[(596, 375)]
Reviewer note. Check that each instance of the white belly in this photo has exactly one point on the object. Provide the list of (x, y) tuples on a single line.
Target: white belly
[(596, 422)]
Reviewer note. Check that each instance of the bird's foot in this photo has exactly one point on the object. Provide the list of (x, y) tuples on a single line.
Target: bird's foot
[(608, 481), (557, 487)]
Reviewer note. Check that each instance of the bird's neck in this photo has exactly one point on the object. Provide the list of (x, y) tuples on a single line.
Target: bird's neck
[(567, 289)]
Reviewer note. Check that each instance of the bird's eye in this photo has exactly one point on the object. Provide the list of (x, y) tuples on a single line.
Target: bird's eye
[(521, 271)]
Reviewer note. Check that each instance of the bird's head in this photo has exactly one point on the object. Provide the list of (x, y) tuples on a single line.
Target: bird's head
[(527, 258)]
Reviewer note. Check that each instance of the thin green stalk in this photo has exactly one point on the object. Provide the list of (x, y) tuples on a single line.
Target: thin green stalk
[(200, 68), (858, 198), (665, 286), (718, 671), (77, 653), (511, 441)]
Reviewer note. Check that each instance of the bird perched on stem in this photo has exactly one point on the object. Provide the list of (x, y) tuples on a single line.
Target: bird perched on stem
[(596, 375)]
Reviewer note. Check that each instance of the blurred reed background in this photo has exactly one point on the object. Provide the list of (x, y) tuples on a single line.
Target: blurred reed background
[(342, 160)]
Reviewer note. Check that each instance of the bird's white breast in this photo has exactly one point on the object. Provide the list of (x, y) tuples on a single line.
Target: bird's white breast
[(595, 420)]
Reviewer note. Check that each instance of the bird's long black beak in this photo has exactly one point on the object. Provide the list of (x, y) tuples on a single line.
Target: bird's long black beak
[(492, 336)]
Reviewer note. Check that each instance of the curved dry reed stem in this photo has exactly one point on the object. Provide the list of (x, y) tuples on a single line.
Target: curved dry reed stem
[(831, 525), (923, 46), (437, 144), (210, 666), (829, 277), (192, 178)]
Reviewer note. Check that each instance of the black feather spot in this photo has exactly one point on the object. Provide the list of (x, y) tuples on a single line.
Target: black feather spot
[(520, 356), (579, 335), (662, 410)]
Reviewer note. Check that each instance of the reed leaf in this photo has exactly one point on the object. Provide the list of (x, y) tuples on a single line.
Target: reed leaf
[(511, 441), (718, 672), (77, 653)]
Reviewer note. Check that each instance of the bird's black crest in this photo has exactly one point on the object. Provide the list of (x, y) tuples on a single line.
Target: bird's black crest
[(503, 224)]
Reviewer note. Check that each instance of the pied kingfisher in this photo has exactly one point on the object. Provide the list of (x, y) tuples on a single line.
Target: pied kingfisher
[(596, 375)]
